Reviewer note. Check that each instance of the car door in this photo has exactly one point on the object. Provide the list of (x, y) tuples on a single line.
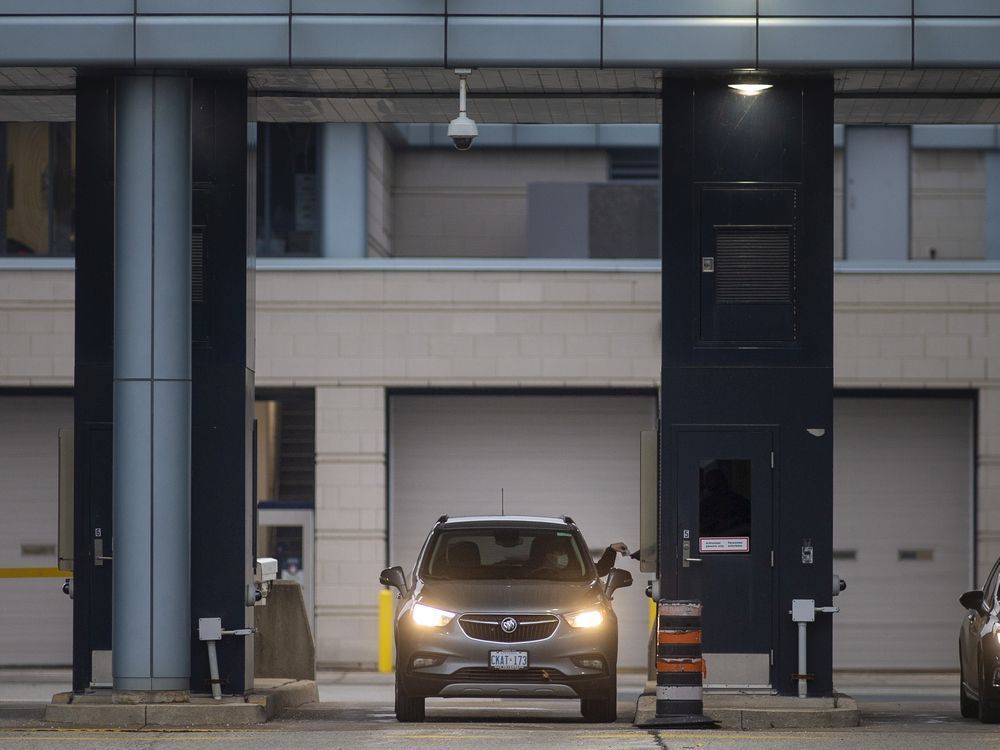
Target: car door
[(973, 626)]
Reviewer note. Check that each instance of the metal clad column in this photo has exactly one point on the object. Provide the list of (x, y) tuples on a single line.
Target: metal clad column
[(342, 176), (152, 384), (876, 193)]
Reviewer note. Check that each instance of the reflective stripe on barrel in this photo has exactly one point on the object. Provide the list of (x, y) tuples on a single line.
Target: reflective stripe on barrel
[(679, 663)]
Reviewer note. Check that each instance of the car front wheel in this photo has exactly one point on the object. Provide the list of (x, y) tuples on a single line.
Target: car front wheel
[(968, 707), (604, 709), (408, 709)]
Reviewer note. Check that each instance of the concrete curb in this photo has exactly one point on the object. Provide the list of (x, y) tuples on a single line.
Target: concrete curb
[(269, 699), (746, 712), (17, 713), (281, 697)]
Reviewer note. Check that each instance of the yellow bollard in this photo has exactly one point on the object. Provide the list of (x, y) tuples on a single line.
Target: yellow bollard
[(386, 612)]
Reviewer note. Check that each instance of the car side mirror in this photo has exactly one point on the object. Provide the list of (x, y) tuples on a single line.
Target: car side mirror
[(394, 577), (617, 579), (972, 600)]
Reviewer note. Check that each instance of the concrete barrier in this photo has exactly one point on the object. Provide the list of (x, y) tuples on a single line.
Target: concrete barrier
[(283, 643)]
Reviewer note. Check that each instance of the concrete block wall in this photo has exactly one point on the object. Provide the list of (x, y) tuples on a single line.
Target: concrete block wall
[(452, 204), (352, 335), (36, 328), (350, 521), (948, 204)]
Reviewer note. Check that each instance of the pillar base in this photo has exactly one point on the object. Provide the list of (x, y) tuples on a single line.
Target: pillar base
[(143, 697)]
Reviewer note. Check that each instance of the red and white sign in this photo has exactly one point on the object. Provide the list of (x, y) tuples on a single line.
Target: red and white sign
[(724, 544)]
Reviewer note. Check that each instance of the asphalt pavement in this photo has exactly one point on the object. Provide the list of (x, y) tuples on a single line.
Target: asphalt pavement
[(900, 711)]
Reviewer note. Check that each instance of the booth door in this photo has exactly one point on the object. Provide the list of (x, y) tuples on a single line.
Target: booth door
[(725, 513)]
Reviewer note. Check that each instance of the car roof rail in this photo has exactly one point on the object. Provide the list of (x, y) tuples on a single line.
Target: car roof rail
[(442, 519), (567, 519)]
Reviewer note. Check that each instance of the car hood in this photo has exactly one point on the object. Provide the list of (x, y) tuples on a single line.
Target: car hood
[(501, 597)]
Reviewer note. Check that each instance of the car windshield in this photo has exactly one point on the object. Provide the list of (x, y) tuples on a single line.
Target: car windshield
[(505, 553)]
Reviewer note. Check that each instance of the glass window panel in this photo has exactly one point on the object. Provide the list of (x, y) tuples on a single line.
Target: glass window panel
[(506, 554), (286, 190), (724, 509), (38, 161), (284, 543)]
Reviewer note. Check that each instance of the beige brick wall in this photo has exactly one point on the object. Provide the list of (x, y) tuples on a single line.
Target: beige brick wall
[(36, 328), (948, 204), (452, 204), (451, 328), (350, 521), (353, 334)]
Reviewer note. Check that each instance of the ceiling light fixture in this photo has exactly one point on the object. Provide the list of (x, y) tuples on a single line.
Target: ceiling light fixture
[(750, 89)]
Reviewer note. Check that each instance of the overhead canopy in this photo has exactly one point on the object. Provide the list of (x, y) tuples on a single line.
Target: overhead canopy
[(528, 95)]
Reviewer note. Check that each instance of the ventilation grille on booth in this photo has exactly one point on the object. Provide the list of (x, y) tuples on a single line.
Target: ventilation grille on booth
[(753, 264), (197, 263)]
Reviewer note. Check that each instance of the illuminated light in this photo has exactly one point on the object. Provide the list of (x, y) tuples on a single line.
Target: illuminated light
[(589, 618), (750, 89), (431, 617)]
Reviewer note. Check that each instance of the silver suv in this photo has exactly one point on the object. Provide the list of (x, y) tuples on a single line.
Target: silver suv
[(506, 606)]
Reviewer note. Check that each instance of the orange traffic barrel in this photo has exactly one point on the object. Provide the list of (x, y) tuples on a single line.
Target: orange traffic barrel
[(680, 666)]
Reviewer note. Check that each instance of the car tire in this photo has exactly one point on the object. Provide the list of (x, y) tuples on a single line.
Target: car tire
[(989, 710), (602, 710), (408, 709), (968, 706)]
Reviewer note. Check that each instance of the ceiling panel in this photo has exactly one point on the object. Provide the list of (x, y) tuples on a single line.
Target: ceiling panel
[(559, 95)]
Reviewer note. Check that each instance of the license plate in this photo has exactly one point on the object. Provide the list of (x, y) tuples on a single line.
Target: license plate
[(508, 659)]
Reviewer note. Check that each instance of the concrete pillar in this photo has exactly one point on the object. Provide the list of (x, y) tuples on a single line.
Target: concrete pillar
[(342, 178), (152, 385), (877, 193)]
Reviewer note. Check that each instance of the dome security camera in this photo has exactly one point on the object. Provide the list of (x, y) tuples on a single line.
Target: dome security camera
[(462, 131)]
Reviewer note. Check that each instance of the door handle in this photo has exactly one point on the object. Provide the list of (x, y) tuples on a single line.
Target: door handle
[(692, 559), (99, 556)]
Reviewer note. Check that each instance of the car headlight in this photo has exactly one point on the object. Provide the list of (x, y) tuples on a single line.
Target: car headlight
[(431, 617), (588, 618)]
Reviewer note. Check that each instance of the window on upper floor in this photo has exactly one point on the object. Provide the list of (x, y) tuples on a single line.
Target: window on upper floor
[(287, 221), (38, 161)]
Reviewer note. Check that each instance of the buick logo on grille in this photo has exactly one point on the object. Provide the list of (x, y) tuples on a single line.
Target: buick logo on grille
[(508, 624)]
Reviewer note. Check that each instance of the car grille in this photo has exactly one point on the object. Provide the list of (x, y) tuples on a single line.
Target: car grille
[(484, 674), (529, 627)]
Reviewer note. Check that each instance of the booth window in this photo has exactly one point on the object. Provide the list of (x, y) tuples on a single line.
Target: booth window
[(724, 509)]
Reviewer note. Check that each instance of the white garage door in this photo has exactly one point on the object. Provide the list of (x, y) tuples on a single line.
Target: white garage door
[(36, 618), (902, 529), (552, 455)]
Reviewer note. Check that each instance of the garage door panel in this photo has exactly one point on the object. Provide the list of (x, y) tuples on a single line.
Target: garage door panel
[(902, 470), (551, 455), (36, 617)]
